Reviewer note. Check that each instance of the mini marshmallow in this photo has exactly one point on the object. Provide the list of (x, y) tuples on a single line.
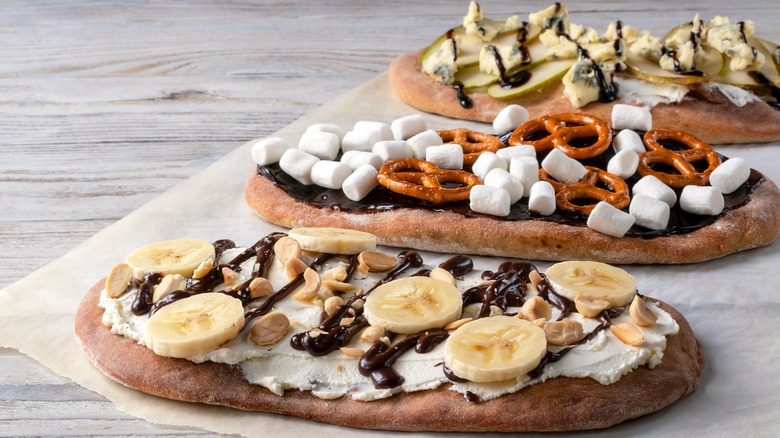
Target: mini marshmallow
[(408, 126), (541, 198), (489, 200), (360, 141), (730, 175), (446, 156), (383, 129), (609, 220), (355, 159), (328, 127), (323, 145), (486, 162), (522, 150), (628, 140), (501, 178), (623, 164), (422, 141), (298, 164), (631, 117), (653, 187), (268, 150), (705, 200), (509, 118), (649, 212), (392, 149), (360, 183), (330, 174), (562, 168), (526, 170)]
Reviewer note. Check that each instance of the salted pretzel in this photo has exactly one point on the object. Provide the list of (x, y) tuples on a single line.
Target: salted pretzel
[(683, 160), (474, 143), (559, 130), (423, 180), (613, 190)]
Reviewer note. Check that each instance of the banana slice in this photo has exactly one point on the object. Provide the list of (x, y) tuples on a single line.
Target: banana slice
[(179, 256), (195, 325), (409, 305), (495, 349), (333, 240), (595, 280)]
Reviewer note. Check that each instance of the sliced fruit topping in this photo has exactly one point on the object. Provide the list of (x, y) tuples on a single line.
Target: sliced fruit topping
[(179, 256), (539, 76), (333, 240), (195, 325), (495, 349), (594, 280), (409, 305)]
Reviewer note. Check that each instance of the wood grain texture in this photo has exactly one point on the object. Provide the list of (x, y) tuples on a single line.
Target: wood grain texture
[(105, 104)]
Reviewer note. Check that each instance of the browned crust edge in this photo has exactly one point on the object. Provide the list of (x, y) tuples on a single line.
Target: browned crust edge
[(558, 404), (757, 223), (707, 115)]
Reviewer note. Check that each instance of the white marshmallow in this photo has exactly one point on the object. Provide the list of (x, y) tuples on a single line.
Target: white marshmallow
[(422, 141), (526, 170), (562, 168), (653, 187), (649, 212), (392, 149), (446, 156), (489, 200), (267, 151), (628, 140), (704, 200), (541, 198), (330, 174), (360, 183), (609, 220), (501, 178), (623, 164), (328, 127), (383, 129), (355, 159), (408, 126), (631, 117), (360, 141), (730, 175), (486, 162), (323, 145), (509, 118), (298, 164), (522, 150)]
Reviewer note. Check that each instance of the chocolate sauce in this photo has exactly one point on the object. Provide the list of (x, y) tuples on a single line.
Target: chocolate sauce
[(378, 360), (548, 293), (142, 303), (458, 265), (506, 288)]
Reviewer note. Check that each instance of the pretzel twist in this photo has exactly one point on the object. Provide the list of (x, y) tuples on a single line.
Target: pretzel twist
[(616, 192), (559, 130), (682, 161), (474, 143), (423, 180)]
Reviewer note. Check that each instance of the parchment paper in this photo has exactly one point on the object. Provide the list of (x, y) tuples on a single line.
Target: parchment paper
[(733, 303)]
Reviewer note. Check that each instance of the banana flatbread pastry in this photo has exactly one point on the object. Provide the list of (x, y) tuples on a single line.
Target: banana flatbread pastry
[(319, 324), (714, 79)]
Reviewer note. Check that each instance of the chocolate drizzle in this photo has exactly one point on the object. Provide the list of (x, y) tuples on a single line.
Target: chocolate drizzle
[(548, 293), (378, 360), (142, 303), (506, 288)]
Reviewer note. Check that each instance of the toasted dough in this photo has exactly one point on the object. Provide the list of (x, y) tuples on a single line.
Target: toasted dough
[(555, 405), (754, 224), (704, 113)]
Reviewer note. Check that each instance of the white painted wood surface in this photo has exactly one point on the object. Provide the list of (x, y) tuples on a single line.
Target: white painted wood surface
[(105, 104)]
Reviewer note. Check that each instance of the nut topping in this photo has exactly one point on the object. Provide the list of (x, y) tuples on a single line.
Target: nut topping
[(168, 284), (376, 261), (536, 308), (563, 332), (338, 273), (337, 286), (372, 334), (118, 280), (311, 286), (628, 333), (333, 304), (294, 268), (352, 351), (260, 287), (589, 307), (203, 269), (229, 276), (641, 314), (287, 249), (269, 329)]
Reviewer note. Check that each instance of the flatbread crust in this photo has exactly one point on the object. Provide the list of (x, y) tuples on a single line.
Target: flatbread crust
[(704, 113), (558, 404), (754, 224)]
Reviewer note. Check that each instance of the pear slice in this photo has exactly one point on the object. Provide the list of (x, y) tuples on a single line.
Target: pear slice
[(472, 77), (650, 71), (541, 75), (743, 78)]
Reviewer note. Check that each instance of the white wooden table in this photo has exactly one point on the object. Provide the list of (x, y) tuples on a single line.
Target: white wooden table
[(104, 105)]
